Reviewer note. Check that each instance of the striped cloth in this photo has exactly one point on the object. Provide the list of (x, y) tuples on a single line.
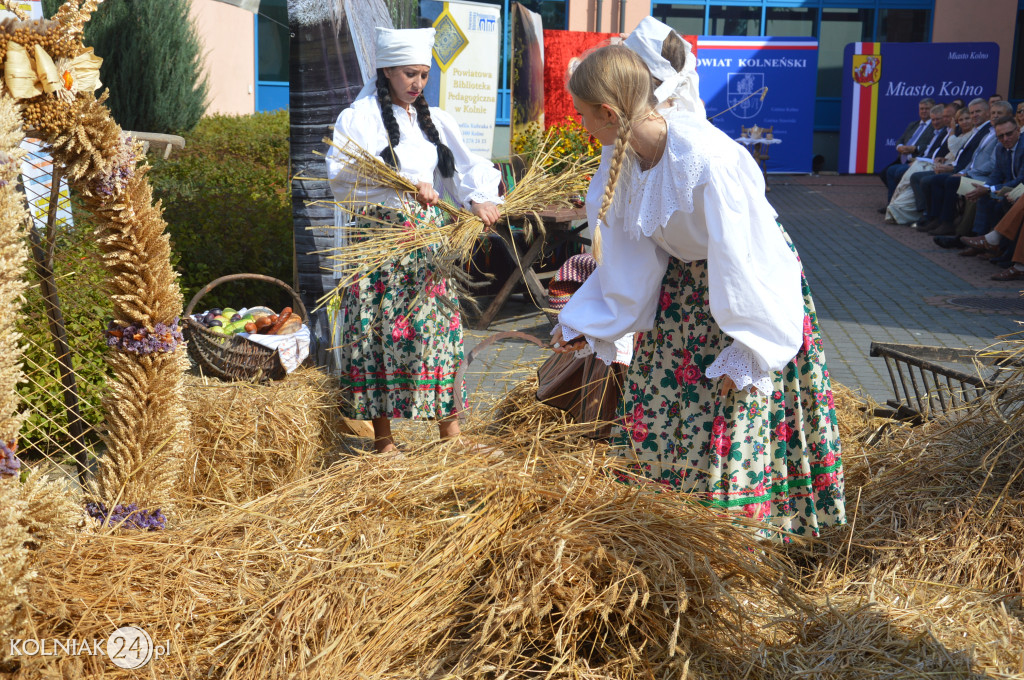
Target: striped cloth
[(569, 278)]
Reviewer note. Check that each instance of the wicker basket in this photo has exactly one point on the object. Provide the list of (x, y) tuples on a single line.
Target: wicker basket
[(231, 357)]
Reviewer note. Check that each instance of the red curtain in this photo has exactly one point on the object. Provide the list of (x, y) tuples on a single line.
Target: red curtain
[(559, 48)]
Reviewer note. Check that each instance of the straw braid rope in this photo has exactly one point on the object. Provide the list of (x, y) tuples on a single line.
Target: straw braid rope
[(146, 426)]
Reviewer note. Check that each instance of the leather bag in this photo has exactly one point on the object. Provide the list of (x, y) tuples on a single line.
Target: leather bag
[(586, 388)]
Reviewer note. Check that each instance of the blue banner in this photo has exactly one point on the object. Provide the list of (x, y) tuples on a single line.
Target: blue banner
[(767, 82), (883, 83)]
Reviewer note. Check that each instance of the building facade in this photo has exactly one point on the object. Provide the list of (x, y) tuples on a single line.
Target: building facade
[(247, 54)]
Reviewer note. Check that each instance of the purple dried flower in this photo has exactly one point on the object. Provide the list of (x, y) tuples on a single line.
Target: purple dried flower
[(9, 463), (140, 340), (122, 169), (127, 516)]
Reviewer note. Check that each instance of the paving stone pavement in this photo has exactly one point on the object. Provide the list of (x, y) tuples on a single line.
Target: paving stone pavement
[(870, 282)]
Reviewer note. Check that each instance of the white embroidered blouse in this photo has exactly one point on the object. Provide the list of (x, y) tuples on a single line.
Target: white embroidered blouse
[(475, 179), (703, 200)]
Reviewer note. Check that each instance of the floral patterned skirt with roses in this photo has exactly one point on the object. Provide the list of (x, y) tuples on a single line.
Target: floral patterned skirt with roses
[(402, 346), (774, 458)]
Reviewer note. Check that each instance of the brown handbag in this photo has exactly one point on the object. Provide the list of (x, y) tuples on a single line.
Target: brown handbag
[(586, 388)]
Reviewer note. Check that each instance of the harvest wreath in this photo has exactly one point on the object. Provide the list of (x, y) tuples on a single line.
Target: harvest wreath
[(49, 80)]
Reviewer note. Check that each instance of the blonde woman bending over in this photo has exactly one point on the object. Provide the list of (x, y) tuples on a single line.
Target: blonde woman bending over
[(728, 396)]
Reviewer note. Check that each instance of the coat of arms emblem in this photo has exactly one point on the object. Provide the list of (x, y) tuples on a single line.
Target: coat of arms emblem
[(867, 69)]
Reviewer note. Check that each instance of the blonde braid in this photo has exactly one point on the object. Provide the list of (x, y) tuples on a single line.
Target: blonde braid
[(621, 144), (613, 76)]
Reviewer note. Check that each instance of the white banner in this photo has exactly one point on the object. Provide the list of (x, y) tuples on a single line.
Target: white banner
[(466, 50)]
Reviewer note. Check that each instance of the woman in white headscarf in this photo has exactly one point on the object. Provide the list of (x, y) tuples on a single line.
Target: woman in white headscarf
[(402, 345), (670, 60)]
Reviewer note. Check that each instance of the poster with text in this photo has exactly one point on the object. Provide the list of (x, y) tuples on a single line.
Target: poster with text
[(883, 83), (767, 82), (464, 77)]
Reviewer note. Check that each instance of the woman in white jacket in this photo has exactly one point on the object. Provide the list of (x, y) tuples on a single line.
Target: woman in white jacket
[(728, 395)]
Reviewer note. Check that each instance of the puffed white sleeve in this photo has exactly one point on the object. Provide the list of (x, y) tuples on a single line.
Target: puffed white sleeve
[(476, 179), (620, 297), (753, 280), (366, 130)]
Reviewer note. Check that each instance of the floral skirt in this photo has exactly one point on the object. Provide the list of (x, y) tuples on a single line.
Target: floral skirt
[(774, 458), (402, 346)]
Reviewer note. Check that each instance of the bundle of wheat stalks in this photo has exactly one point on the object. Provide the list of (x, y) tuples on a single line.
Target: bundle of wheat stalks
[(369, 247), (249, 439)]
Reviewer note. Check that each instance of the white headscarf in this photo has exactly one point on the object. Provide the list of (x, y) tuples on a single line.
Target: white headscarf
[(682, 87), (399, 47)]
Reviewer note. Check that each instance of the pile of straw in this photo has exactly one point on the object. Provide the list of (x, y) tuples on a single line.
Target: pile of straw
[(945, 502), (248, 439), (368, 248), (928, 582), (448, 563), (463, 562)]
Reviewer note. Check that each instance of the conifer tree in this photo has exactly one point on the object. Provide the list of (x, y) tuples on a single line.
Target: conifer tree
[(152, 63)]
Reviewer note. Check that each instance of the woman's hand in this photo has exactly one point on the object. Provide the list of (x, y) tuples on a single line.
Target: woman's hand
[(561, 346), (727, 385), (425, 194), (486, 211)]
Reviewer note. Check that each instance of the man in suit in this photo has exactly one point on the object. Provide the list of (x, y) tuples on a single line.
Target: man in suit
[(930, 187), (1008, 173), (894, 173), (911, 143)]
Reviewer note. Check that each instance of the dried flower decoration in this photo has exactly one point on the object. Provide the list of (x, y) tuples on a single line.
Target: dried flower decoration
[(127, 516), (29, 76), (9, 463), (115, 178), (139, 340)]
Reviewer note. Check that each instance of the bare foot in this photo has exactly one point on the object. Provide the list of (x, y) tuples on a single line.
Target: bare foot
[(390, 452)]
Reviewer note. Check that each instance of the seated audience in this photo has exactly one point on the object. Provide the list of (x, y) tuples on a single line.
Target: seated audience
[(1008, 173), (1019, 117), (901, 209), (1006, 234), (911, 143), (976, 156)]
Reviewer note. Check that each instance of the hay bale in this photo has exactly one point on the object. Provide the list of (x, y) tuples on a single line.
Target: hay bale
[(249, 439)]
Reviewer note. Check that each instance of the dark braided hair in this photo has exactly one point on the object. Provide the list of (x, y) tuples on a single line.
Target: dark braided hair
[(390, 124), (445, 158)]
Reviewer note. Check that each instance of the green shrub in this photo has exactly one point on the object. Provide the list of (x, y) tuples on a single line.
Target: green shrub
[(86, 308), (227, 202)]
